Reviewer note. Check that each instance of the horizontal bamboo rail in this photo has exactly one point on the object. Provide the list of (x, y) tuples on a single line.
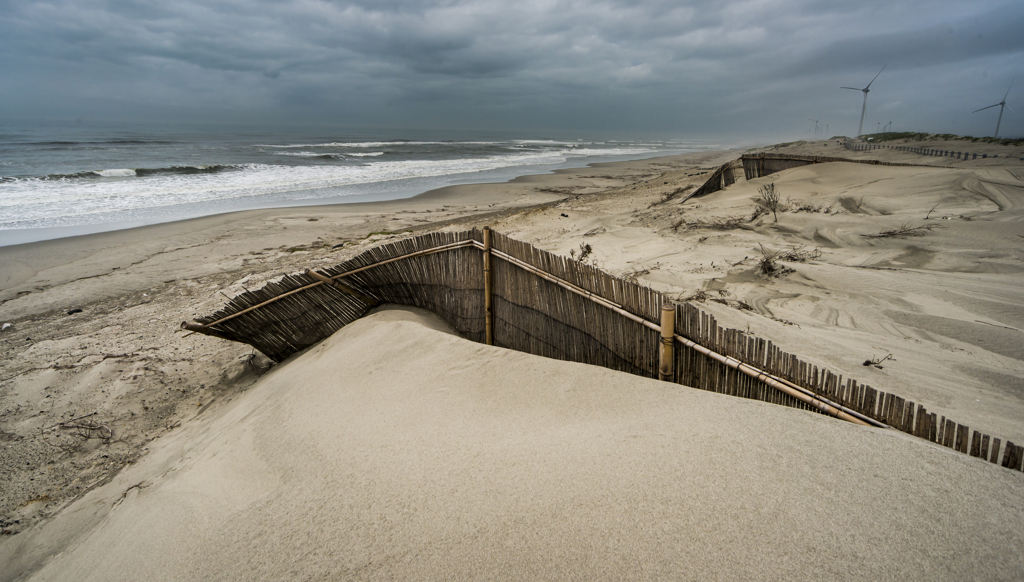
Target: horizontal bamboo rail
[(206, 326), (820, 404), (343, 288)]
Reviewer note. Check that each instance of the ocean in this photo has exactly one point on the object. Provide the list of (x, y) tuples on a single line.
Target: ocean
[(65, 179)]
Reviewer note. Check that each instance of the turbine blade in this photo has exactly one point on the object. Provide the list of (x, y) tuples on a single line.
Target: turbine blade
[(1011, 109), (984, 108), (1008, 89), (876, 76), (854, 88)]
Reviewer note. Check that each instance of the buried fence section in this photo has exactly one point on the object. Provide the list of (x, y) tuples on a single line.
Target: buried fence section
[(284, 316), (719, 179), (551, 306), (701, 371), (449, 283), (763, 164)]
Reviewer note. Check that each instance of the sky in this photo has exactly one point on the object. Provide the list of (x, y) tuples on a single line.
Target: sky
[(750, 70)]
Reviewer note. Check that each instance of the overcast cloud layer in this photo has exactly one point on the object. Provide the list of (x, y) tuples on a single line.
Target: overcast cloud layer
[(748, 70)]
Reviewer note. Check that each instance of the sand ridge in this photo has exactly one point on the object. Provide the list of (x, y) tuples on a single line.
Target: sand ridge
[(441, 458)]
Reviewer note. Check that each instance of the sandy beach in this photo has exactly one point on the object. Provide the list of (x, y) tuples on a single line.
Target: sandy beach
[(371, 456)]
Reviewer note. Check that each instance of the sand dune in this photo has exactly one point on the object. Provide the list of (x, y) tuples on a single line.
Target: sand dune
[(396, 450), (438, 458), (945, 303)]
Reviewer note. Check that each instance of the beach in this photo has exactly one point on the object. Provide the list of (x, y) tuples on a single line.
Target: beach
[(371, 457)]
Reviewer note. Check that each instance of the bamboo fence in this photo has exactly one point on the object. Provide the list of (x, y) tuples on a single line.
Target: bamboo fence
[(719, 179), (497, 290), (863, 147), (763, 164)]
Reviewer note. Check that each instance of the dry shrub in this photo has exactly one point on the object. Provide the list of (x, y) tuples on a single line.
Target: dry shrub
[(809, 207), (673, 194), (584, 253), (636, 272), (769, 199), (767, 262), (736, 303), (699, 295), (726, 223), (903, 231), (798, 254)]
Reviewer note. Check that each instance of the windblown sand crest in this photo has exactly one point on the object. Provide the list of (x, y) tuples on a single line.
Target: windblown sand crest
[(397, 450)]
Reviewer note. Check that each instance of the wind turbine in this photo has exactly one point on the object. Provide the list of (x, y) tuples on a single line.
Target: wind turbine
[(866, 90), (815, 125), (1001, 105)]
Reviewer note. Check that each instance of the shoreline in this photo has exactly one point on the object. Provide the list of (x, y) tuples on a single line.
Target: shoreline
[(97, 253), (30, 235)]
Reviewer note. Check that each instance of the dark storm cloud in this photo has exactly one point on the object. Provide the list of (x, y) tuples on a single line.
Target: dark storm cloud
[(997, 32), (698, 66)]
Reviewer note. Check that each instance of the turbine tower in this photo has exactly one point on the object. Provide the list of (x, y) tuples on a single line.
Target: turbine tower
[(815, 125), (1000, 105), (863, 109)]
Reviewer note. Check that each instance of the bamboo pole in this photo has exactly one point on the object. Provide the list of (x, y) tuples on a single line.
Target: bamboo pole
[(668, 324), (343, 287), (488, 305), (768, 379), (447, 247)]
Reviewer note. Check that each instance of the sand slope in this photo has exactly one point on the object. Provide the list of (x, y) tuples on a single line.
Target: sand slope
[(397, 450), (946, 304)]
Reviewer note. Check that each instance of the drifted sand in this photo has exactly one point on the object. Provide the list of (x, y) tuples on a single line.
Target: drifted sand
[(699, 485), (395, 450)]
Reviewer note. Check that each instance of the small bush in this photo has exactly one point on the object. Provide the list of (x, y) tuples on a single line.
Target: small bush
[(584, 253), (767, 262), (769, 199)]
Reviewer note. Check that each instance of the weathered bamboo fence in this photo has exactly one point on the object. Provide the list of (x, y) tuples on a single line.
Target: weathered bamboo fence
[(763, 164), (504, 292), (863, 147), (719, 179)]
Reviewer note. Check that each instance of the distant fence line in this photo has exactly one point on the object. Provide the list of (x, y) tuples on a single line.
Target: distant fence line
[(497, 290), (861, 147), (764, 164)]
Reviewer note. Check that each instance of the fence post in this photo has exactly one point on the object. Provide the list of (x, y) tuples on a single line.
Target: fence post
[(488, 306), (668, 332)]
